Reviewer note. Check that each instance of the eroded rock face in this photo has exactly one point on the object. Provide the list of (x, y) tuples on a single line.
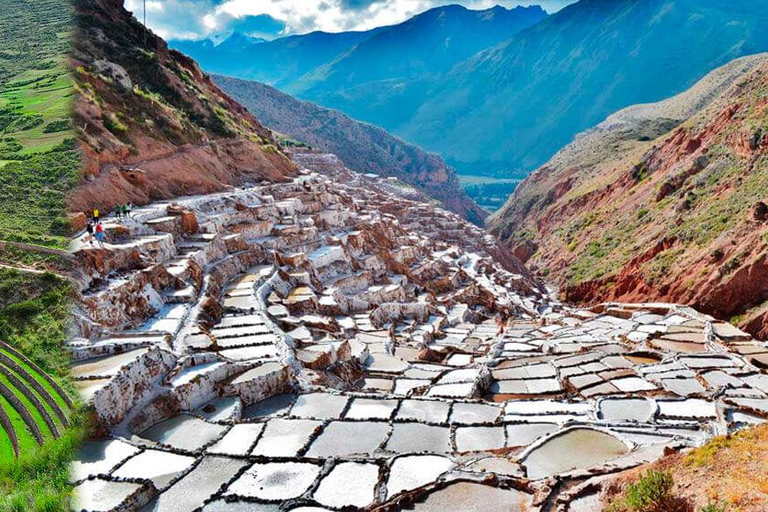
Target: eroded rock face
[(330, 342), (627, 211)]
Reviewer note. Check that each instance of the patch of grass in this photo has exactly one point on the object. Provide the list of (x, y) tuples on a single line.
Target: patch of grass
[(714, 507), (651, 493), (33, 313), (113, 123), (39, 479)]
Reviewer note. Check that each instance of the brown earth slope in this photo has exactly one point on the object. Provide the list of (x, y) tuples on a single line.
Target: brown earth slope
[(143, 106), (659, 202), (363, 147)]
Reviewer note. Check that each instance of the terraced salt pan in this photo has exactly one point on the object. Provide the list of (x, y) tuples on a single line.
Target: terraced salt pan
[(474, 413), (429, 411), (99, 495), (275, 480), (415, 438), (285, 438), (463, 390), (105, 366), (220, 409), (340, 438), (473, 497), (184, 432), (691, 408), (349, 484), (250, 353), (523, 434), (371, 409), (99, 457), (277, 405), (238, 441), (578, 448), (324, 406), (187, 494), (627, 409), (410, 472), (474, 439), (187, 375), (499, 466), (167, 320), (158, 466)]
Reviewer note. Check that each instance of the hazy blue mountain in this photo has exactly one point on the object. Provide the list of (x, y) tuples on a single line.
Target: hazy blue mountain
[(359, 62), (431, 42), (453, 82), (511, 108), (279, 62)]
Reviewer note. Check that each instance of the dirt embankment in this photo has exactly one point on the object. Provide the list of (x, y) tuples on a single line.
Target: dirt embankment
[(629, 214), (152, 125)]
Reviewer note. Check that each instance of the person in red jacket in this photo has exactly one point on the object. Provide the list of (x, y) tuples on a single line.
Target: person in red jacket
[(100, 234)]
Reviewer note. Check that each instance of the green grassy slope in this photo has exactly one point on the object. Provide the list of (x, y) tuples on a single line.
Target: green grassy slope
[(38, 160), (39, 164)]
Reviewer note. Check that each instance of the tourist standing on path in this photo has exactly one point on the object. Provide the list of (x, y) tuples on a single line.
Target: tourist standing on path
[(128, 208), (95, 215), (100, 234), (89, 229)]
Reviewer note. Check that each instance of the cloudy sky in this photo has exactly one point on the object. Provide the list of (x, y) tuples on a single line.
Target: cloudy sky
[(197, 19)]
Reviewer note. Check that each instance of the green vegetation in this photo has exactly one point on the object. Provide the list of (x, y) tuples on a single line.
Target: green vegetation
[(652, 492), (489, 192), (33, 313), (39, 163), (34, 309), (38, 158), (39, 480)]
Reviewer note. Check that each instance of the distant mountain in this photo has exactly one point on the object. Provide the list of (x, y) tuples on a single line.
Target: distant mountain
[(432, 42), (280, 62), (502, 103), (663, 201), (511, 108), (363, 147)]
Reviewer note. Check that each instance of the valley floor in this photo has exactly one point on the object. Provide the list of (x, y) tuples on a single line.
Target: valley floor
[(328, 343)]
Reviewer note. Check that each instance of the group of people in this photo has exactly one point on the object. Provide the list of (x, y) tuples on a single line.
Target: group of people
[(95, 228), (123, 211)]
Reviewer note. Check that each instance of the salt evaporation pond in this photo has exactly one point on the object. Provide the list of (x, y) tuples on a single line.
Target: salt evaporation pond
[(579, 448), (184, 432), (629, 409), (471, 497), (410, 472)]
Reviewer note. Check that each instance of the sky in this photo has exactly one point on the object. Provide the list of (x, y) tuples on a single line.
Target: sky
[(200, 19)]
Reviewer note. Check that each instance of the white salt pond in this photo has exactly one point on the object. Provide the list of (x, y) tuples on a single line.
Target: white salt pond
[(184, 432), (580, 448)]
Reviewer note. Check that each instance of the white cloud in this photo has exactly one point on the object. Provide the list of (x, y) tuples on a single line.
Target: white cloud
[(202, 18)]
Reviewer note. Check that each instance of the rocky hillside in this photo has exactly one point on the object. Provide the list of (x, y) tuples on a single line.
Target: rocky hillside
[(660, 202), (363, 148), (152, 124)]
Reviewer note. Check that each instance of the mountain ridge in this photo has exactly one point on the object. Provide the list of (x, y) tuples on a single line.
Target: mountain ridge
[(363, 147), (506, 109)]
